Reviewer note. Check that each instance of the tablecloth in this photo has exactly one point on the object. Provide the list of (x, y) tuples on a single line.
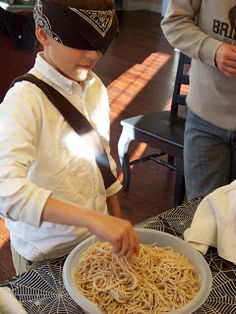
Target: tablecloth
[(41, 291)]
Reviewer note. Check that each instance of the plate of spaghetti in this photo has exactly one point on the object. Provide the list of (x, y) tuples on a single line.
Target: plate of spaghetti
[(168, 276)]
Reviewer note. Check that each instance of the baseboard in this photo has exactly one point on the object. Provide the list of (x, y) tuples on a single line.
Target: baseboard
[(143, 6)]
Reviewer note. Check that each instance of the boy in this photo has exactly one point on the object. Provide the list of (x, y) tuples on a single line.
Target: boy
[(51, 190)]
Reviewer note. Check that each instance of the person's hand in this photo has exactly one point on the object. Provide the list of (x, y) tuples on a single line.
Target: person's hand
[(225, 59), (118, 232)]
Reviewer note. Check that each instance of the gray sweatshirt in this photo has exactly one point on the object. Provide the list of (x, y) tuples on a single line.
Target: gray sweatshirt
[(198, 28)]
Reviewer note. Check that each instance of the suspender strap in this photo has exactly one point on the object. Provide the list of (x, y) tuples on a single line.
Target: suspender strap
[(78, 122)]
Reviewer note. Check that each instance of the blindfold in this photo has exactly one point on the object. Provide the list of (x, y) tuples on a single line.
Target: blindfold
[(77, 28)]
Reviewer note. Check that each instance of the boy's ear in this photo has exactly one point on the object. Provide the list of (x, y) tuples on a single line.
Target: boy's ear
[(41, 36)]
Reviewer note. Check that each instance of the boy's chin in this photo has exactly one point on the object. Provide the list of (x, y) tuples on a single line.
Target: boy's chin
[(81, 75), (78, 76)]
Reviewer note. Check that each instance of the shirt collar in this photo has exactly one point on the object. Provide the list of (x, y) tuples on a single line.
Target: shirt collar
[(47, 70)]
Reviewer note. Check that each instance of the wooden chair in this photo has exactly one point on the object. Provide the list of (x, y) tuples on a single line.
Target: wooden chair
[(161, 130)]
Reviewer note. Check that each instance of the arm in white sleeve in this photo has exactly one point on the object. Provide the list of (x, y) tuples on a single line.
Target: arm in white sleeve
[(116, 186), (20, 199), (179, 27), (103, 129)]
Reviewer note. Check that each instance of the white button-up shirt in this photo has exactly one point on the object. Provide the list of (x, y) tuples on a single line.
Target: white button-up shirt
[(40, 155)]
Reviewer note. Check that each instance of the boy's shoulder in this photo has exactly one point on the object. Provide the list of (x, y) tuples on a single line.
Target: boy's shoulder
[(23, 89), (22, 96)]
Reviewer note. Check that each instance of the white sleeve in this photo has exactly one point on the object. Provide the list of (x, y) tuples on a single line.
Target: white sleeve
[(179, 27), (116, 186), (101, 121), (20, 199)]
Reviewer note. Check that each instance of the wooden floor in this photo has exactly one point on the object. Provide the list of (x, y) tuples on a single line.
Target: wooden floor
[(139, 70)]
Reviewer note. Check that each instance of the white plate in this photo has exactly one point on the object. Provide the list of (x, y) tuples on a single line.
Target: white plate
[(146, 236)]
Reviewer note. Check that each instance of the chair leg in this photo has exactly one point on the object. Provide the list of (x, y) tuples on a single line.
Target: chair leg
[(123, 148), (179, 183), (171, 160)]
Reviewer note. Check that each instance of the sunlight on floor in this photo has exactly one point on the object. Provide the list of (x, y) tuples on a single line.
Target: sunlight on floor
[(4, 235), (139, 151), (132, 82)]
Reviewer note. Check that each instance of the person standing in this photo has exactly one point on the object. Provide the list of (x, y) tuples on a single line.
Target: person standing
[(206, 31)]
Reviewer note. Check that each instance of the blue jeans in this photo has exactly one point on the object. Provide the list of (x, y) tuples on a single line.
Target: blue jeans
[(209, 156)]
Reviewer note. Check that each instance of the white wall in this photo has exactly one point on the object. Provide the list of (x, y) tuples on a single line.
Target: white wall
[(151, 5), (164, 6)]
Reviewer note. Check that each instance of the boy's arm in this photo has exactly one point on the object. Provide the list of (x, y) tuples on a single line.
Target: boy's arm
[(118, 232), (113, 205)]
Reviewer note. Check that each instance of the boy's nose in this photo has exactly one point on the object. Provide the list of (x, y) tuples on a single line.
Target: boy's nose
[(92, 54)]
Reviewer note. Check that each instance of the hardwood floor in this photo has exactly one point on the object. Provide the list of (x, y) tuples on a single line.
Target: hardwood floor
[(139, 70)]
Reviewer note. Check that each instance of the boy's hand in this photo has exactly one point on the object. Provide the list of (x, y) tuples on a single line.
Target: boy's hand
[(225, 59), (118, 232)]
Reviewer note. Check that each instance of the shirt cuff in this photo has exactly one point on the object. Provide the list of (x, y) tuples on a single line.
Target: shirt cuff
[(32, 212), (208, 51), (22, 200)]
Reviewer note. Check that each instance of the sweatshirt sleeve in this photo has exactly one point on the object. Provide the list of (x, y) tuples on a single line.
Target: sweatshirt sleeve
[(20, 199), (181, 30)]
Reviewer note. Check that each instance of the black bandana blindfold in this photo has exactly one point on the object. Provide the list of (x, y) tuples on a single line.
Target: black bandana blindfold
[(75, 28)]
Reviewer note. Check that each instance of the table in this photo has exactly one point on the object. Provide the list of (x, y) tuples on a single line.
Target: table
[(41, 291)]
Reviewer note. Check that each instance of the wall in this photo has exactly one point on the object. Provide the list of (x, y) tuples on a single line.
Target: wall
[(151, 5)]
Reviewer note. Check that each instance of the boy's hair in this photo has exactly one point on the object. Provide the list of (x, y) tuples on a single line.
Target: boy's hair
[(98, 5)]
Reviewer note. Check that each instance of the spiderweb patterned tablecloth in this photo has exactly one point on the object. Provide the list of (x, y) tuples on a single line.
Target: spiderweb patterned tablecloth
[(41, 291), (222, 298)]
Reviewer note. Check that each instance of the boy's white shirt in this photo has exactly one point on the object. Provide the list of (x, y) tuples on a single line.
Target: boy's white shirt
[(40, 155)]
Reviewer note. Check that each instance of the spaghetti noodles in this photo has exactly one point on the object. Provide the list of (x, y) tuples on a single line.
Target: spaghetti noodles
[(159, 280)]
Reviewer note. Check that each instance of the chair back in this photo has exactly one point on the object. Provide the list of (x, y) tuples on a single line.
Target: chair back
[(182, 78), (15, 58)]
